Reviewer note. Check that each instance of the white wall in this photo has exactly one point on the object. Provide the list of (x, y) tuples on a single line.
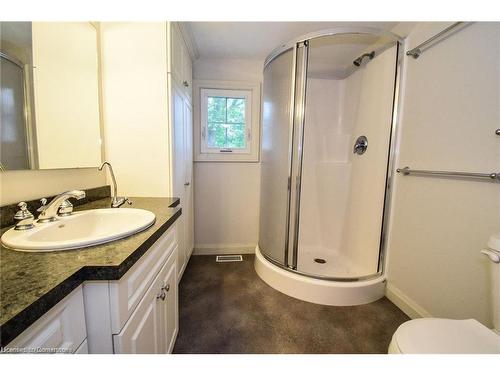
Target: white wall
[(134, 68), (227, 195), (451, 108)]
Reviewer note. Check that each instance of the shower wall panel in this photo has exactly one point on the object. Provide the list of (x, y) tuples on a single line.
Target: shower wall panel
[(342, 196), (369, 99), (325, 170)]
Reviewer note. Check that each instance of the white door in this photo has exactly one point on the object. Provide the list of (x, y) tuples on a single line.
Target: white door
[(187, 73), (177, 54), (188, 185), (179, 173)]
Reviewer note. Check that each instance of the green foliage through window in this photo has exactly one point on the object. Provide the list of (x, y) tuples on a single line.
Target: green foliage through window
[(226, 122)]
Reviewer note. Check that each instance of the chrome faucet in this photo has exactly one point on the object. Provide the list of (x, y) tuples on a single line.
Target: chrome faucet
[(116, 201), (49, 211)]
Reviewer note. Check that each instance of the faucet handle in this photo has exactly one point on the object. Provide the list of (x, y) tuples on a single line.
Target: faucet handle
[(24, 217), (119, 201), (43, 201), (23, 212), (66, 208)]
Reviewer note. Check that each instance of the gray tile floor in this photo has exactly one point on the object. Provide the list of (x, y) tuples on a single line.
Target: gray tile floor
[(227, 308)]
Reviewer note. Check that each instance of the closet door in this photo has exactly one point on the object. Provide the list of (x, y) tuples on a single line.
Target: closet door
[(179, 166), (177, 53), (188, 184), (187, 73)]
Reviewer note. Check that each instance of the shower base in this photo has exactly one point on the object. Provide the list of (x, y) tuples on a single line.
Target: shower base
[(324, 292), (333, 264)]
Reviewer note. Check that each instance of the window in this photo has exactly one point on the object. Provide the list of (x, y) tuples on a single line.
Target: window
[(228, 121), (224, 120)]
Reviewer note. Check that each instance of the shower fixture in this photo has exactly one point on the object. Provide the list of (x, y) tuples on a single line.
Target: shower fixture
[(359, 60)]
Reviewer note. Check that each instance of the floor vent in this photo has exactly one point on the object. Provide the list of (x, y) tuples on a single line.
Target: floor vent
[(229, 258)]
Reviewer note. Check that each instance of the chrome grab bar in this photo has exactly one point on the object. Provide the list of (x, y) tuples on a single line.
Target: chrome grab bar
[(489, 176)]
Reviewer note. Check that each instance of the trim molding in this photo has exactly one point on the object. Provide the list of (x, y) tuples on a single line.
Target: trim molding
[(405, 303), (224, 249)]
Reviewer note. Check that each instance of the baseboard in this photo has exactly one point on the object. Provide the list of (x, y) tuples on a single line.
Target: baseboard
[(405, 303), (223, 249)]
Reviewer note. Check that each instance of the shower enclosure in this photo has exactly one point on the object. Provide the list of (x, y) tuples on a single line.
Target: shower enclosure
[(328, 135)]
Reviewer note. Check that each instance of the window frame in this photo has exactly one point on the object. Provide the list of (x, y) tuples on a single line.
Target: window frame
[(224, 93), (251, 91)]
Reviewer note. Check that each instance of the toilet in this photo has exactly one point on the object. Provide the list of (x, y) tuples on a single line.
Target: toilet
[(450, 336)]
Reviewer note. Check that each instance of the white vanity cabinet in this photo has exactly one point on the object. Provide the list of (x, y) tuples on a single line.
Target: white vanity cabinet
[(139, 312), (153, 327), (61, 330)]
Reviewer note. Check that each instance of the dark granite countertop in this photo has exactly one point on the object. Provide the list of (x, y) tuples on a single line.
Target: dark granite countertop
[(32, 283)]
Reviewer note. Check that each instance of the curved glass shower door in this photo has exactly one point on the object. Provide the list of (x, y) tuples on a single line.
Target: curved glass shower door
[(275, 155)]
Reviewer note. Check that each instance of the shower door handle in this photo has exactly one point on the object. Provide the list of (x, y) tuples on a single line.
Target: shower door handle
[(361, 145)]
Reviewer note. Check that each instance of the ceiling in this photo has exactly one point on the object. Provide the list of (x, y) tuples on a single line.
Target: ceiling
[(333, 56), (255, 40), (17, 33)]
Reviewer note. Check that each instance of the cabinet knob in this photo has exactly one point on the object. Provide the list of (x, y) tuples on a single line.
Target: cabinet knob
[(185, 83), (162, 295)]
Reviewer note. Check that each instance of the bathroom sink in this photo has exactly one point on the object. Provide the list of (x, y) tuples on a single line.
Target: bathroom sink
[(81, 229)]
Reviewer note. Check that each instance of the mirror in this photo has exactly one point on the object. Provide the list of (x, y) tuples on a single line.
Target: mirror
[(49, 80)]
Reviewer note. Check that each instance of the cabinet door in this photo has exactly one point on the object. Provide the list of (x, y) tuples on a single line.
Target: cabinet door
[(126, 293), (179, 172), (62, 329), (83, 348), (143, 331), (153, 326), (169, 307), (188, 186), (177, 53), (187, 73)]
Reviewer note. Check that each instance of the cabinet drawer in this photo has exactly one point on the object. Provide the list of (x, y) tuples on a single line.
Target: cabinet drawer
[(153, 324), (126, 293), (62, 329)]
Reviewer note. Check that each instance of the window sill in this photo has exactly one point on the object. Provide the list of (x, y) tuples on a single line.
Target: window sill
[(226, 158)]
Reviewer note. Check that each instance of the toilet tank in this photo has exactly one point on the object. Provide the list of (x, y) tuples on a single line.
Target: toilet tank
[(493, 252)]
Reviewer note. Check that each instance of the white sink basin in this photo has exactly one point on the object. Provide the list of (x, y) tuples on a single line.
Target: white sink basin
[(82, 229)]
